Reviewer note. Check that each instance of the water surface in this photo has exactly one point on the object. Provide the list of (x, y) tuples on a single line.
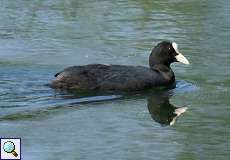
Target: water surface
[(39, 38)]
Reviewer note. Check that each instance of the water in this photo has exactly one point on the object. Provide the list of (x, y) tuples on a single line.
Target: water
[(39, 38)]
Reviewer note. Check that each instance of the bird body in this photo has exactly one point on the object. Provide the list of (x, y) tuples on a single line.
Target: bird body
[(121, 77), (111, 77)]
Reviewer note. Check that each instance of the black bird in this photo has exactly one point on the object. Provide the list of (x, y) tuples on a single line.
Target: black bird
[(100, 77)]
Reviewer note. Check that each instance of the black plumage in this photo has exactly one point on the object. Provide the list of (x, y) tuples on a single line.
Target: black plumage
[(121, 77)]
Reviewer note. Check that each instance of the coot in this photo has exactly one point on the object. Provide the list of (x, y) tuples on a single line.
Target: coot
[(100, 77)]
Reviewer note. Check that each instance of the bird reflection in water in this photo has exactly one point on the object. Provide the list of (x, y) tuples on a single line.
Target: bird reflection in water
[(162, 111)]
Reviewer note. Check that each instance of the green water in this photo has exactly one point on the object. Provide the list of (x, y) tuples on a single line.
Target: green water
[(39, 38)]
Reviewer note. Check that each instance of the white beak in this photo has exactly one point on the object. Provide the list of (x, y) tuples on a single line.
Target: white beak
[(179, 57)]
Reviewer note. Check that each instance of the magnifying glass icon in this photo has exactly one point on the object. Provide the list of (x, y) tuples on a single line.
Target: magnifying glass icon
[(9, 147)]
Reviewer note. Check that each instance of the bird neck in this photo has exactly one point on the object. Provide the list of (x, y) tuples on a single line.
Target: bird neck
[(165, 71), (155, 61), (161, 67)]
